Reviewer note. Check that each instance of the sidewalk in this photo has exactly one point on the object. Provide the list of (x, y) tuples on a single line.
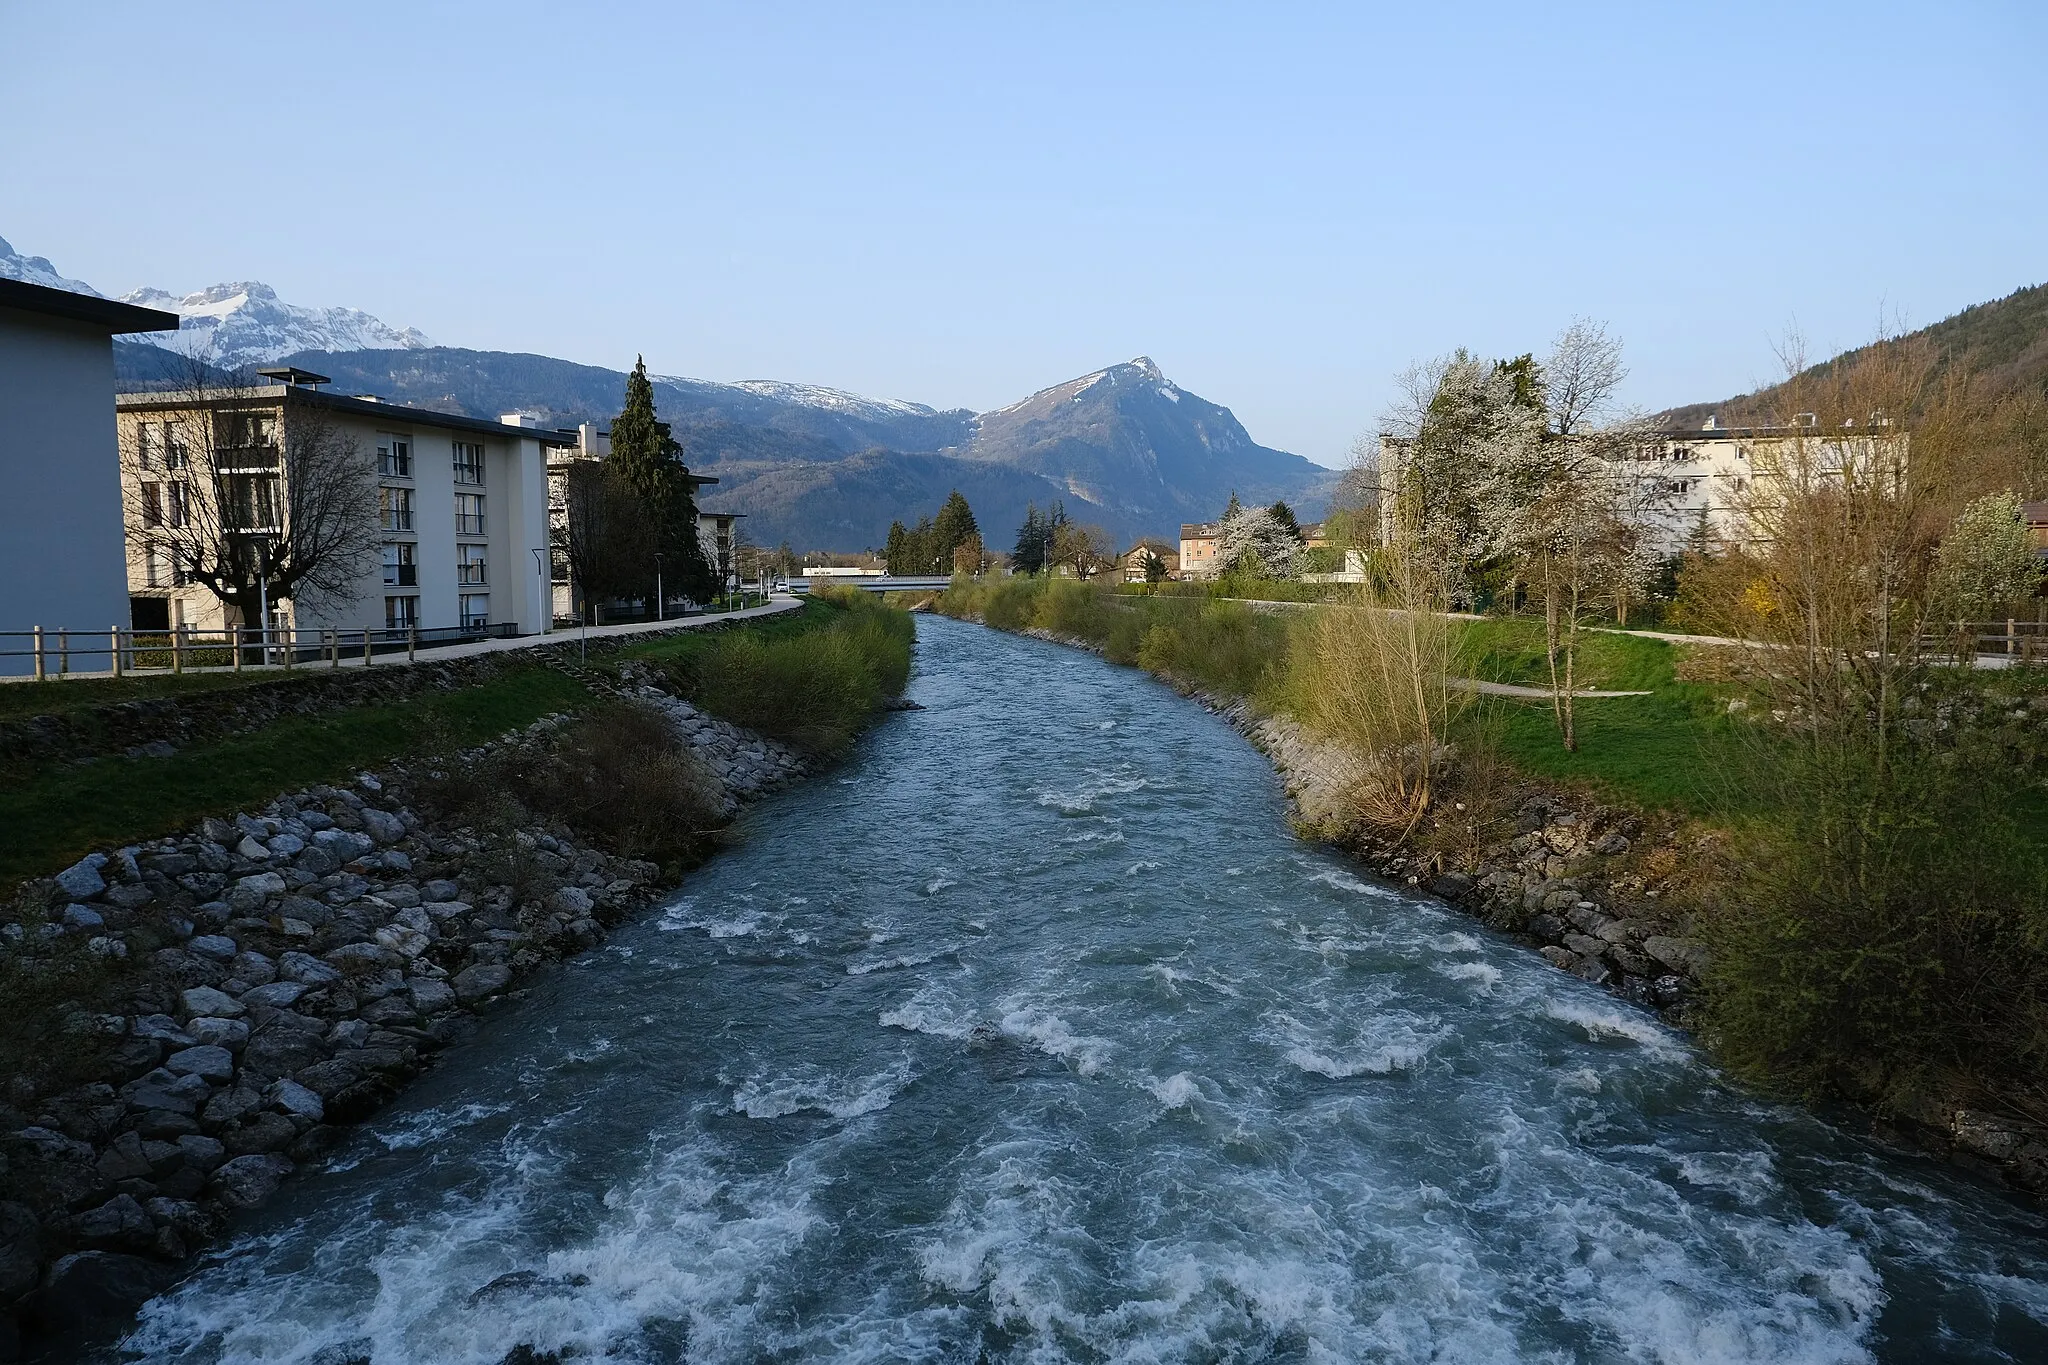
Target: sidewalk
[(439, 653)]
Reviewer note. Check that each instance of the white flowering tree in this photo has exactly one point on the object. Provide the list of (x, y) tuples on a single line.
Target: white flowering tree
[(1253, 540), (1985, 562)]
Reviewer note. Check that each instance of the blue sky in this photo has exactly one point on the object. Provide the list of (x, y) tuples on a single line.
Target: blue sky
[(959, 204)]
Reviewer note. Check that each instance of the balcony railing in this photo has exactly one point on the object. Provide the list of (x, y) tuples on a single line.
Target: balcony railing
[(395, 519), (469, 524), (401, 575), (228, 459)]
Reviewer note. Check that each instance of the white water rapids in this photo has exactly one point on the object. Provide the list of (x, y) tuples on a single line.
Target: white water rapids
[(1031, 1035)]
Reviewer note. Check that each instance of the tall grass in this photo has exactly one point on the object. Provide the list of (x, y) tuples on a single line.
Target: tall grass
[(815, 691)]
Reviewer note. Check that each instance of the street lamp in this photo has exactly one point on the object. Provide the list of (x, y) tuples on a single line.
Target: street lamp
[(657, 585), (544, 604)]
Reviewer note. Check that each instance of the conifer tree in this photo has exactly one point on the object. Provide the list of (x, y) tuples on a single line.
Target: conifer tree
[(646, 458), (1028, 556), (955, 523)]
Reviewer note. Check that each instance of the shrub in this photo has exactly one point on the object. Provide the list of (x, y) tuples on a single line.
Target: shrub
[(815, 691), (55, 987)]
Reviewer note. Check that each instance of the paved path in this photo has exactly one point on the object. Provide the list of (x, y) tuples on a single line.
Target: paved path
[(1499, 689), (436, 654)]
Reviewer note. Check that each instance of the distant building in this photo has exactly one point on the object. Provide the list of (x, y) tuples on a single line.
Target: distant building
[(61, 552), (716, 531), (461, 505), (1198, 548), (2035, 515), (1134, 559)]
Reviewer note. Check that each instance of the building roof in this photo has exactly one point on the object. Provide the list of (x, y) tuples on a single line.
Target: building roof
[(2034, 513), (361, 407), (1152, 543), (110, 314), (1200, 530)]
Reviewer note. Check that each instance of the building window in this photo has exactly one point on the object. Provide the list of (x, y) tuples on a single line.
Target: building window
[(249, 502), (177, 504), (469, 514), (394, 455), (162, 445), (152, 504), (399, 568), (469, 462), (394, 509), (401, 613), (476, 610), (469, 566), (249, 430), (160, 567)]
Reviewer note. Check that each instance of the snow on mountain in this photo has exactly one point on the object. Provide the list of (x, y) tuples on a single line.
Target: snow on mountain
[(246, 323), (38, 270), (813, 396)]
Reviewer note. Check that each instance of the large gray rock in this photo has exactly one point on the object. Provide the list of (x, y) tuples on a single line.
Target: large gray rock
[(343, 844), (251, 892), (247, 1181), (230, 1106), (294, 1098), (218, 947), (213, 1063), (430, 996), (306, 969), (382, 826), (205, 1000), (124, 1159), (1681, 955), (117, 1225), (161, 1089), (82, 880), (571, 902), (281, 995), (484, 979), (202, 1153), (274, 1051), (227, 1033), (441, 889), (260, 1132), (286, 845), (163, 1028), (254, 968)]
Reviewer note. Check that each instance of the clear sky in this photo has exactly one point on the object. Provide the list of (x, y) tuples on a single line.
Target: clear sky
[(1282, 204)]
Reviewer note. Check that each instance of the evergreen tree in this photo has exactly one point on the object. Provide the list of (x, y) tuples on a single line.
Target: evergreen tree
[(1234, 507), (1029, 554), (896, 551), (950, 531), (1284, 514), (646, 459)]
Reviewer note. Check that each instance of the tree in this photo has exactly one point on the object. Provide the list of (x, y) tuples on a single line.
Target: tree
[(1258, 544), (1155, 567), (951, 528), (1985, 562), (1084, 548), (969, 557), (603, 535), (1034, 549), (1284, 516), (896, 550), (258, 499), (649, 462)]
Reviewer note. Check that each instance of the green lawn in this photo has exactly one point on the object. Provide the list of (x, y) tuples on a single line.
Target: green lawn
[(38, 699), (58, 816)]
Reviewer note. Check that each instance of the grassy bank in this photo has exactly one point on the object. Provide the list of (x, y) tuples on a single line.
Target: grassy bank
[(1878, 916), (813, 677)]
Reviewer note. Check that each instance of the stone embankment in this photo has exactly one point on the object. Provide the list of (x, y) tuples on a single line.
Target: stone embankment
[(281, 975)]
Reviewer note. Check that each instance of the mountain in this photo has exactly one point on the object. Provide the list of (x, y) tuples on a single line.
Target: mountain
[(1130, 440), (1124, 447), (2004, 342), (37, 270)]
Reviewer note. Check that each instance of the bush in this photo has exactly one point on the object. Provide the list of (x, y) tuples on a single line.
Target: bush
[(815, 691), (55, 987)]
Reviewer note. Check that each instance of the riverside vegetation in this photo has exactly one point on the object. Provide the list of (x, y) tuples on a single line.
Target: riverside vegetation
[(1827, 928), (196, 1012)]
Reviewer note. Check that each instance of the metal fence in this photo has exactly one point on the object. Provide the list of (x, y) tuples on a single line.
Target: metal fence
[(52, 654)]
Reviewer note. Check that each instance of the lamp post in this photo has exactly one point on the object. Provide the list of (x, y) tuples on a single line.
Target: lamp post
[(657, 585), (545, 606)]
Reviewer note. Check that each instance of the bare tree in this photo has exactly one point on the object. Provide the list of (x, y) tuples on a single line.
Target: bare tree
[(256, 498), (1083, 547)]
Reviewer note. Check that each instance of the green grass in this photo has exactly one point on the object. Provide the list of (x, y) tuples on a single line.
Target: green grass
[(58, 816), (18, 699)]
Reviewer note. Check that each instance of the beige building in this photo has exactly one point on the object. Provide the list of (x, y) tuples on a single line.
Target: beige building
[(461, 505), (1135, 557), (1198, 548)]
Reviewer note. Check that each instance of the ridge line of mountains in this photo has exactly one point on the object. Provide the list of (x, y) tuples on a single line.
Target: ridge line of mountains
[(1123, 447)]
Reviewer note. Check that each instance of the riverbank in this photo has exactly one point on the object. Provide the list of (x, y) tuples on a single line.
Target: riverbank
[(1610, 891), (196, 1016)]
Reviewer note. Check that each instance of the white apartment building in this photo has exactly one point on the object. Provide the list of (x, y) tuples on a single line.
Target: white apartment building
[(717, 532), (60, 539), (461, 505)]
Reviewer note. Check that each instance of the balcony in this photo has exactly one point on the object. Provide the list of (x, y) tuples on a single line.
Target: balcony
[(245, 459), (395, 519), (401, 575), (470, 575), (469, 523)]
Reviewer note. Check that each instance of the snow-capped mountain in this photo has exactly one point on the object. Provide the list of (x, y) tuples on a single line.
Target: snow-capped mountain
[(38, 270), (246, 323)]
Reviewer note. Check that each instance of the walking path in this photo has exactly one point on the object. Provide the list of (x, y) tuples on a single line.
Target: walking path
[(439, 653)]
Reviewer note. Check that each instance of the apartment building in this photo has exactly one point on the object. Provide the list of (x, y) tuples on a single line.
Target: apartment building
[(460, 514), (717, 532), (1134, 559), (60, 551), (1198, 548)]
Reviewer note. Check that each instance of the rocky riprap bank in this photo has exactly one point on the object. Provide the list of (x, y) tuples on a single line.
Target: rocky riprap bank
[(294, 967)]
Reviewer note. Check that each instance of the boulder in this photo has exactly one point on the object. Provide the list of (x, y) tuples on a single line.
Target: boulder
[(161, 1089), (296, 1099), (430, 996), (161, 1027), (275, 1051), (330, 1078), (484, 979), (83, 917), (280, 995), (205, 1000), (82, 880), (306, 970), (1681, 955), (571, 902), (441, 889), (90, 1288), (227, 1033), (213, 1063), (261, 1132), (247, 1181), (382, 826), (254, 968), (119, 1224), (286, 845), (202, 1152), (230, 1106), (218, 947), (124, 1159)]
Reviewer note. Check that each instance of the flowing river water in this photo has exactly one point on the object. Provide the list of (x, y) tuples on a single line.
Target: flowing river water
[(1031, 1034)]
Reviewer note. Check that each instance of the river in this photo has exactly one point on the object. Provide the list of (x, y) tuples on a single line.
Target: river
[(1031, 1034)]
